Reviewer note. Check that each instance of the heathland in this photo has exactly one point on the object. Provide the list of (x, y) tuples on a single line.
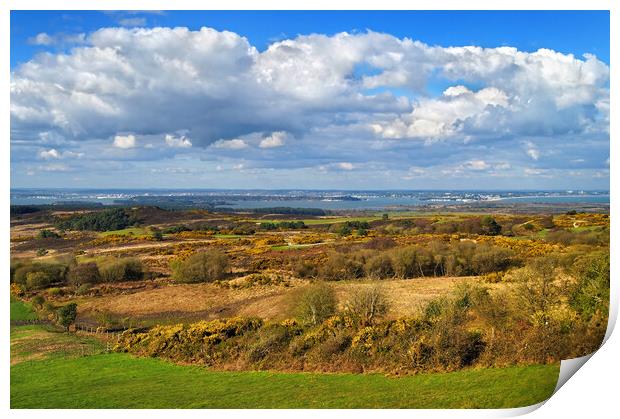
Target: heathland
[(352, 309)]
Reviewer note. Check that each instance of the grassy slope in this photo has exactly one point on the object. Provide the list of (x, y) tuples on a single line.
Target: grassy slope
[(122, 381), (21, 310)]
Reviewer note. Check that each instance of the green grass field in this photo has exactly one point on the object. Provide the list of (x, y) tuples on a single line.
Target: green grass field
[(49, 371), (122, 381), (133, 231), (21, 310)]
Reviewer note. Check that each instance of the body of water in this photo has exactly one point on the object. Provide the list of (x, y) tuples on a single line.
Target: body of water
[(328, 200)]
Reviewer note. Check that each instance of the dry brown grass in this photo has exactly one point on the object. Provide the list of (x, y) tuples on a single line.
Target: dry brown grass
[(270, 302)]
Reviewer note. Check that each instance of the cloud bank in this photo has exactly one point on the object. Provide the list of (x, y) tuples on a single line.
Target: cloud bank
[(365, 104)]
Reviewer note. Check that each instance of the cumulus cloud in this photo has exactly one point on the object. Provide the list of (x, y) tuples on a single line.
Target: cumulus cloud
[(442, 117), (235, 144), (124, 141), (276, 139), (49, 154), (345, 98), (532, 151), (41, 39), (177, 142), (345, 166), (476, 165), (53, 154)]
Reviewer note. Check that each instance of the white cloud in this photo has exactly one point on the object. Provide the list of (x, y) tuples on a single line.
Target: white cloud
[(41, 39), (55, 167), (476, 165), (532, 151), (502, 166), (235, 144), (345, 166), (433, 119), (177, 142), (276, 139), (53, 154), (132, 21), (49, 154), (216, 92), (124, 141)]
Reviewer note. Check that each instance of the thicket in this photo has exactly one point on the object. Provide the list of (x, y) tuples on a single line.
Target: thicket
[(48, 234), (596, 237), (121, 269), (283, 225), (106, 220), (38, 275), (542, 319), (435, 259), (32, 275)]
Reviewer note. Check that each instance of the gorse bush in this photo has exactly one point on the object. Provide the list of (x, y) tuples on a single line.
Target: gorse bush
[(206, 266)]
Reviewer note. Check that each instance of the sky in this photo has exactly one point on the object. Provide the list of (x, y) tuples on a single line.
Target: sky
[(312, 100)]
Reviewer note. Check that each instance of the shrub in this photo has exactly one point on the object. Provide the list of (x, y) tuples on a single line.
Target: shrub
[(538, 291), (49, 311), (380, 243), (83, 289), (38, 301), (41, 252), (37, 280), (334, 345), (304, 269), (67, 315), (84, 273), (407, 262), (54, 272), (367, 305), (48, 234), (272, 339), (339, 267), (590, 293), (175, 229), (316, 304), (379, 267), (206, 266), (489, 226), (55, 292), (489, 259), (118, 270)]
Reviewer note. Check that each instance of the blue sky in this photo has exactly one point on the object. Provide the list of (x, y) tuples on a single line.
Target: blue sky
[(310, 99)]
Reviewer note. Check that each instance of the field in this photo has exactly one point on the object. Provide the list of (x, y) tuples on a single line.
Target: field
[(122, 381), (169, 304), (21, 310), (52, 369)]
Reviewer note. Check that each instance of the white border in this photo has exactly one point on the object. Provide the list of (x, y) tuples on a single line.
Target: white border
[(593, 391)]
